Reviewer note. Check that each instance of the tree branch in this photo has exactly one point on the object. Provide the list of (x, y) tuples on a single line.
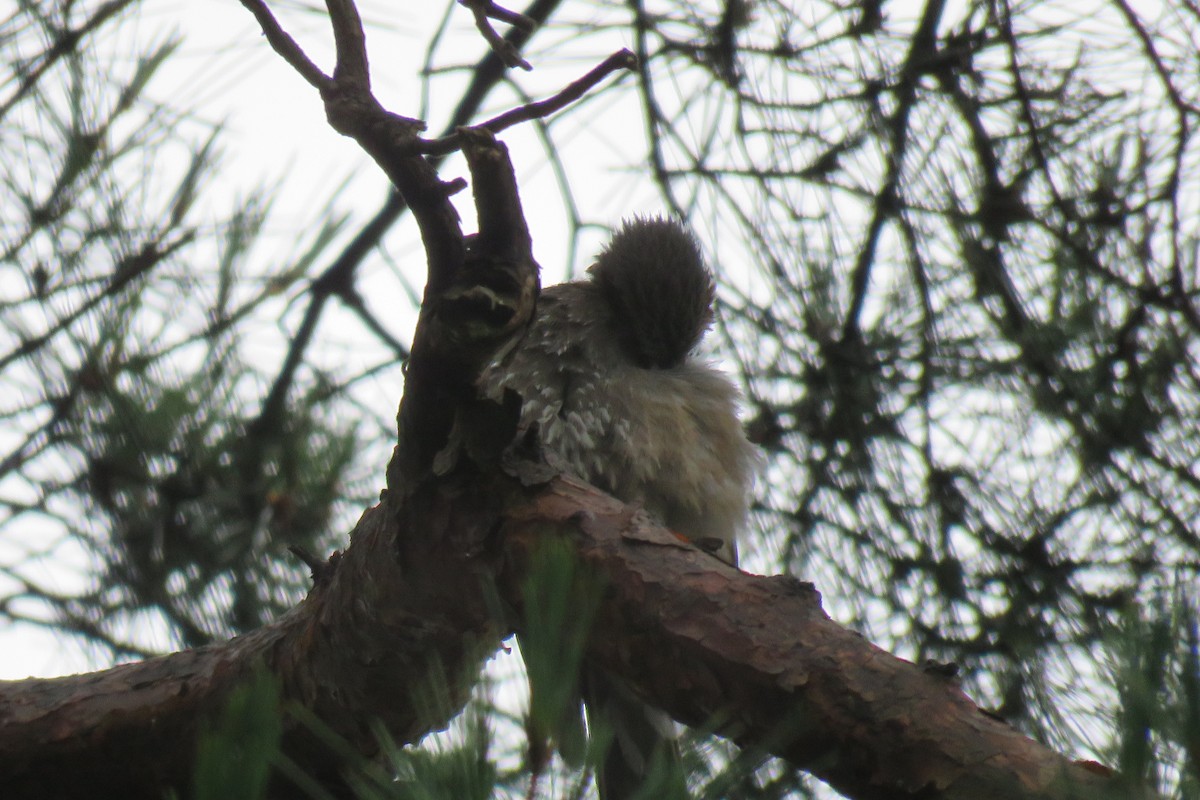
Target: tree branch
[(283, 44), (622, 59), (755, 658), (387, 137), (345, 660), (338, 277), (483, 10)]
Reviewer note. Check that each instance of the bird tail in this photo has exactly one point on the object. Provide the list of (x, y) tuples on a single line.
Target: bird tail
[(642, 757)]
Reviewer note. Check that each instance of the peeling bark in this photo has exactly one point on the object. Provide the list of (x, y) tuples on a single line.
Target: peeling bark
[(754, 658), (366, 644)]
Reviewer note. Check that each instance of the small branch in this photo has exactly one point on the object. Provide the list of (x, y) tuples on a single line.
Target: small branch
[(353, 301), (350, 43), (503, 232), (281, 42), (623, 59), (388, 138), (504, 49), (465, 317), (321, 569), (490, 9)]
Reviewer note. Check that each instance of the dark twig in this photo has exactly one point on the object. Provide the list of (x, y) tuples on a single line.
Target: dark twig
[(281, 42), (338, 277), (321, 570), (484, 10), (349, 42), (495, 11), (623, 59), (353, 300), (922, 47)]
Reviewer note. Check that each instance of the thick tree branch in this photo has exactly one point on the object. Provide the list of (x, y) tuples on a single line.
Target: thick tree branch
[(757, 660), (754, 657), (465, 318), (367, 643)]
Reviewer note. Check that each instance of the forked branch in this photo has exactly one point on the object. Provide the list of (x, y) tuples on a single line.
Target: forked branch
[(485, 11), (392, 140)]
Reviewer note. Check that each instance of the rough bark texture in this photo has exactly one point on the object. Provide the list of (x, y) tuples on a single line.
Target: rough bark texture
[(367, 643), (757, 660), (754, 657)]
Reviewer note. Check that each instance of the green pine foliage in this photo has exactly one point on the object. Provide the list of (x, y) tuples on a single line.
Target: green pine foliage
[(141, 441), (236, 753)]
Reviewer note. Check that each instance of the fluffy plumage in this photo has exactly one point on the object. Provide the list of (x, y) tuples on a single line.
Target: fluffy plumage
[(654, 279), (607, 374)]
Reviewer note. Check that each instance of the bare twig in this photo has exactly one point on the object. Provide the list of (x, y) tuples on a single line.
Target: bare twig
[(495, 11), (623, 59), (349, 43), (923, 43), (354, 301), (340, 273), (281, 42), (485, 10)]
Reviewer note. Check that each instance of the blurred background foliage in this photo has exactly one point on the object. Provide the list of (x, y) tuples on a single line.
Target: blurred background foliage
[(958, 250)]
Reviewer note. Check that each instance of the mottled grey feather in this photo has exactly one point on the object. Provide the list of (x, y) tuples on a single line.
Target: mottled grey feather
[(608, 375)]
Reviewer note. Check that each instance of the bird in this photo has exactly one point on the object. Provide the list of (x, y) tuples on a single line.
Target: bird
[(614, 388)]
